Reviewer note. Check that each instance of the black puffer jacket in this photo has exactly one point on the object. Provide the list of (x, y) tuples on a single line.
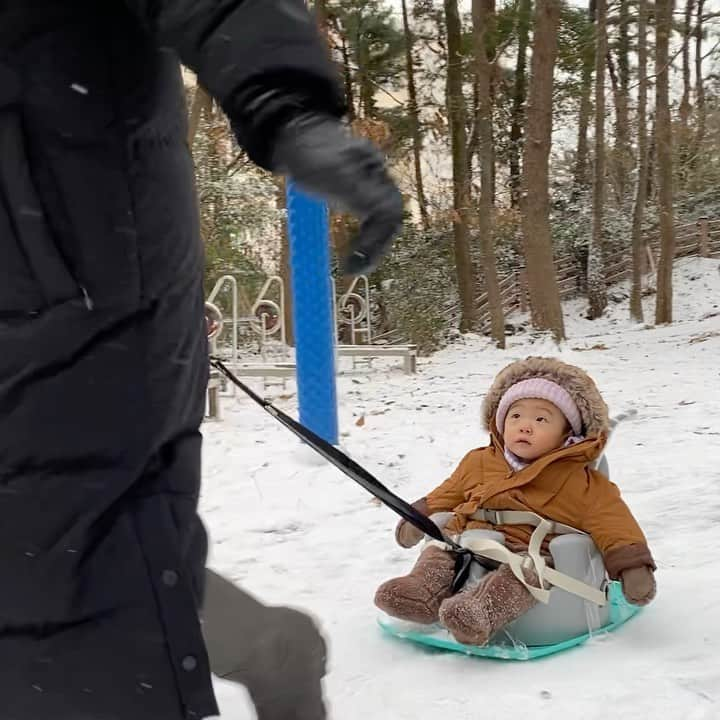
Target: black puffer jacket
[(103, 359)]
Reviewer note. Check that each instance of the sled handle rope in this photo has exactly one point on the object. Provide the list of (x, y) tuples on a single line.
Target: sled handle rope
[(476, 549), (344, 463)]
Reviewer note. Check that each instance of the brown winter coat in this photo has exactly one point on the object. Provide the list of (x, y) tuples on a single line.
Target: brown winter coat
[(560, 486)]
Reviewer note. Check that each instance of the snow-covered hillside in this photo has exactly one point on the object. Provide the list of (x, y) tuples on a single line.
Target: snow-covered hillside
[(295, 531)]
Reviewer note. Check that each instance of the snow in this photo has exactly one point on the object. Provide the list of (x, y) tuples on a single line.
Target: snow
[(299, 533)]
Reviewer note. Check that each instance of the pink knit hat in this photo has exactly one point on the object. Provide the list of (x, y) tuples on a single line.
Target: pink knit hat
[(542, 389)]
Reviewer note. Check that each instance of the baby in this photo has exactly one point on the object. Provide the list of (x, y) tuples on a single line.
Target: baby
[(548, 425)]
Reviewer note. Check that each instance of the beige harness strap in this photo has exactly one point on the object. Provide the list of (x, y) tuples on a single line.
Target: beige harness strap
[(492, 549), (521, 517)]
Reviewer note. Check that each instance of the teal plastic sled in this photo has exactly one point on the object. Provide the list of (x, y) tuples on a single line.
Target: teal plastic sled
[(620, 611)]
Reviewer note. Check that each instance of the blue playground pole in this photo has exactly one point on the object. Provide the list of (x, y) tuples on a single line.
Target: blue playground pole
[(313, 319)]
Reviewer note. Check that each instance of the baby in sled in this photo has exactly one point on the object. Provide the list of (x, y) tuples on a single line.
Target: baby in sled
[(548, 426)]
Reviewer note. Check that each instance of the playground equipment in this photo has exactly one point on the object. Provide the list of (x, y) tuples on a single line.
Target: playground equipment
[(353, 313), (214, 326), (354, 310), (214, 322), (408, 353), (309, 232), (220, 285), (264, 319), (267, 315)]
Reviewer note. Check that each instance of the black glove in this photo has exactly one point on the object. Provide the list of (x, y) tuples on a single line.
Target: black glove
[(325, 160)]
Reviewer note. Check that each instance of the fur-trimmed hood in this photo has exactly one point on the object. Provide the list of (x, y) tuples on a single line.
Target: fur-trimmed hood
[(577, 382)]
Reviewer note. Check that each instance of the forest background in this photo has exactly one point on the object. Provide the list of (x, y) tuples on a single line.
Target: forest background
[(545, 150)]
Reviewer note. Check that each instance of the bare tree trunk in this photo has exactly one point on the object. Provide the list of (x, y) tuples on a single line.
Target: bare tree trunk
[(623, 151), (347, 81), (285, 261), (474, 140), (597, 292), (524, 17), (491, 51), (320, 8), (616, 164), (483, 12), (699, 83), (321, 18), (461, 186), (652, 161), (684, 109), (624, 54), (636, 308), (663, 308), (684, 140), (202, 104), (580, 179), (546, 309), (367, 89), (414, 112)]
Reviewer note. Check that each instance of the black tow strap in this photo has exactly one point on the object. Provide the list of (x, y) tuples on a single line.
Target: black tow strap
[(359, 474)]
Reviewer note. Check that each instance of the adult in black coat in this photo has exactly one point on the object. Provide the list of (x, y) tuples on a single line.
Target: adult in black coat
[(103, 355)]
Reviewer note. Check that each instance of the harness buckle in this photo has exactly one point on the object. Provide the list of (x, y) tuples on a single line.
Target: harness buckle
[(494, 517)]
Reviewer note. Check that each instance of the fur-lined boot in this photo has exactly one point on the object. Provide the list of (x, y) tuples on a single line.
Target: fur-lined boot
[(416, 597), (475, 614)]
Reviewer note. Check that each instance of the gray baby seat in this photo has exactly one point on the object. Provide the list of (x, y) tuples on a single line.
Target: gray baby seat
[(565, 614)]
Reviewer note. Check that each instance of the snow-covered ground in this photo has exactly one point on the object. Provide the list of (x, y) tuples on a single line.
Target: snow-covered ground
[(293, 530)]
